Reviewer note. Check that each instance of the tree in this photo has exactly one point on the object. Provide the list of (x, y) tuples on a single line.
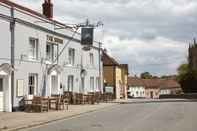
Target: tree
[(182, 71), (184, 68), (146, 75), (187, 78)]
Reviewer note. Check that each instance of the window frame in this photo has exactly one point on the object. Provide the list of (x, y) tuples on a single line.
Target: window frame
[(34, 84), (70, 85), (98, 83), (71, 56), (91, 56), (33, 53), (52, 55), (92, 84)]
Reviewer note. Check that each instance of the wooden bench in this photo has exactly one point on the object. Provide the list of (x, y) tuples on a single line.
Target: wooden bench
[(37, 104)]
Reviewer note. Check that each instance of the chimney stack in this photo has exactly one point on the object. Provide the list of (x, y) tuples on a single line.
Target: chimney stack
[(47, 8)]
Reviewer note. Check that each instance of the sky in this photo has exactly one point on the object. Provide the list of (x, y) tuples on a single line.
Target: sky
[(149, 35)]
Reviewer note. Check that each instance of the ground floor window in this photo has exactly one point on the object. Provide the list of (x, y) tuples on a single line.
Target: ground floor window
[(98, 84), (70, 82), (1, 84), (83, 84), (32, 84), (92, 83)]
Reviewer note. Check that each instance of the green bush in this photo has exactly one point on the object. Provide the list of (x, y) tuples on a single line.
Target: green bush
[(188, 81)]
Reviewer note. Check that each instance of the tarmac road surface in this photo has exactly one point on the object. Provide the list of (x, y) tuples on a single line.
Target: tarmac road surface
[(156, 116)]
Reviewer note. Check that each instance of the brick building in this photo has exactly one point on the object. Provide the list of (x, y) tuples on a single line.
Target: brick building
[(115, 77)]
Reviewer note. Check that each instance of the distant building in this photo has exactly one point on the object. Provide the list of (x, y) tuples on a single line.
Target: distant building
[(152, 88), (115, 76), (124, 72), (193, 55), (136, 87), (170, 87)]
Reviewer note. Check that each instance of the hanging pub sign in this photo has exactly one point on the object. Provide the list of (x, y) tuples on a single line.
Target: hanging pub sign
[(87, 36)]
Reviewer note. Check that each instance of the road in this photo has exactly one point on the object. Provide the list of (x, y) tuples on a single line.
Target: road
[(166, 116)]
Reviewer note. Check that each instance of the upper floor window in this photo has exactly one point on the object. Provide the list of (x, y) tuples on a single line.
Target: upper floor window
[(33, 48), (71, 56), (51, 51), (91, 59)]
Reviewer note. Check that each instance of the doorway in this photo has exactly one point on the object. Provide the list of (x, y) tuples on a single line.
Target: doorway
[(83, 84), (54, 85), (151, 94), (1, 94)]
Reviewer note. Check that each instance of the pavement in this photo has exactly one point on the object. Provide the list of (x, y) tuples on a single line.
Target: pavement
[(168, 115), (22, 120)]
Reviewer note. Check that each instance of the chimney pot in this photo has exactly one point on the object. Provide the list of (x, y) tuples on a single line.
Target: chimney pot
[(47, 8)]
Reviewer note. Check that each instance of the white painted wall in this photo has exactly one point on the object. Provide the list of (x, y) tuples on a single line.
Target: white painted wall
[(137, 91), (165, 92), (25, 66)]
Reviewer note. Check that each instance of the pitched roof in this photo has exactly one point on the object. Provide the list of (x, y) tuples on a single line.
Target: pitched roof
[(169, 83), (154, 83), (108, 60), (17, 6), (135, 81)]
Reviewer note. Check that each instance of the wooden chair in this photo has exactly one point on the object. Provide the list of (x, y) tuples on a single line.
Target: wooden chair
[(97, 97), (79, 98), (91, 98), (59, 101), (68, 96), (37, 104), (66, 100), (85, 99)]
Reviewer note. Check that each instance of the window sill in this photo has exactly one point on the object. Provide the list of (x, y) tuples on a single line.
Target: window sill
[(34, 60), (70, 65)]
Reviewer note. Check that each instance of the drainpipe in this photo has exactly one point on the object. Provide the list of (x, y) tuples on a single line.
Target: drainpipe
[(114, 79), (100, 66), (12, 30)]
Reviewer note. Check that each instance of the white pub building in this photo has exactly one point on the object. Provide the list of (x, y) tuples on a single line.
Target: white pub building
[(39, 56)]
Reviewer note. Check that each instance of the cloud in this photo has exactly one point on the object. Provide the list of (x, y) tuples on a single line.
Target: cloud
[(158, 56), (150, 35)]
